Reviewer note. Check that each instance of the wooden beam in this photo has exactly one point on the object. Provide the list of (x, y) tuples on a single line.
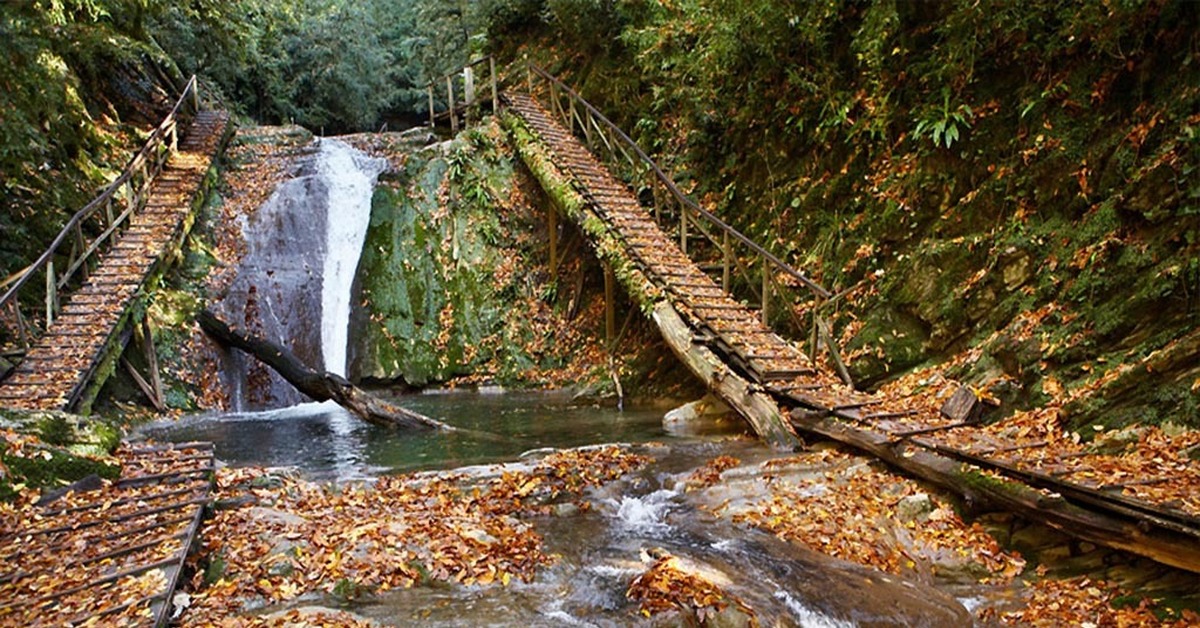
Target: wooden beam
[(318, 385), (609, 314), (766, 293), (144, 385), (147, 339), (1131, 534), (450, 98), (755, 405), (727, 251)]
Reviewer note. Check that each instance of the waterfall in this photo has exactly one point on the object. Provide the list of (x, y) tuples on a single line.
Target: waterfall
[(350, 179), (292, 285)]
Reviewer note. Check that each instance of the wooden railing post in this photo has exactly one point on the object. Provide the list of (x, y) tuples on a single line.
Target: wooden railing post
[(657, 201), (450, 99), (23, 331), (554, 104), (432, 119), (495, 91), (727, 254), (51, 293), (683, 228), (766, 292), (468, 92), (528, 75), (82, 248), (610, 321)]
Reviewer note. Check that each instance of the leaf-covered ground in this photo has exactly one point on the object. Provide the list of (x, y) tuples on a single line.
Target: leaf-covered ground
[(844, 506), (290, 537), (100, 553)]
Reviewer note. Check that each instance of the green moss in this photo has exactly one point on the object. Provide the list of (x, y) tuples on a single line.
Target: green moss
[(48, 467), (442, 267)]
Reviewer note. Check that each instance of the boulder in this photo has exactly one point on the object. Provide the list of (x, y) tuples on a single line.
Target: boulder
[(703, 416), (915, 507)]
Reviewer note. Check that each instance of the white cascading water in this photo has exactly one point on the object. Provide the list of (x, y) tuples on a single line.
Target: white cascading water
[(350, 176)]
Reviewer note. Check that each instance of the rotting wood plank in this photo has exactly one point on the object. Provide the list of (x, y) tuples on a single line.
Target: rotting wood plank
[(107, 522), (1165, 545)]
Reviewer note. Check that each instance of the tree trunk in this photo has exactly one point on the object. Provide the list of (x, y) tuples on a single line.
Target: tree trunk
[(319, 385)]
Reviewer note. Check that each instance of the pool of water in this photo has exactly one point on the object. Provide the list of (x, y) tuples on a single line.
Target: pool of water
[(326, 442)]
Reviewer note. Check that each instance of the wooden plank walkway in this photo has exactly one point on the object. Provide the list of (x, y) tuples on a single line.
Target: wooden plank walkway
[(735, 332), (108, 556), (816, 396), (59, 368)]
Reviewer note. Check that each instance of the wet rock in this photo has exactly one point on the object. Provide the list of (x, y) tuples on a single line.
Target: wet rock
[(537, 454), (282, 567), (982, 302), (233, 503), (708, 415), (709, 406), (890, 341), (1015, 268), (565, 509), (275, 516), (267, 481), (731, 617), (315, 616), (1115, 442), (479, 535), (915, 507), (1035, 538)]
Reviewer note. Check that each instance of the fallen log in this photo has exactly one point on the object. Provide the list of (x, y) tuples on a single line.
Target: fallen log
[(1172, 544), (756, 406), (318, 385)]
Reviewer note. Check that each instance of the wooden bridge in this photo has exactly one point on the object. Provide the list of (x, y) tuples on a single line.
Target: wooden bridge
[(663, 247), (108, 553), (70, 315)]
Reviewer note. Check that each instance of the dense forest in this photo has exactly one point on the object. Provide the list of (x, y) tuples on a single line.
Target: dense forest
[(1015, 180)]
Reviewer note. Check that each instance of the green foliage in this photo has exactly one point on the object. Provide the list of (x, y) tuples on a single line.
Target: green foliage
[(943, 125), (49, 467), (860, 137)]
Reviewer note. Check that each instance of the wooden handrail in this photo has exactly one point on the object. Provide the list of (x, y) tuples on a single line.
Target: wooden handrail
[(147, 162), (469, 96), (669, 184), (439, 80)]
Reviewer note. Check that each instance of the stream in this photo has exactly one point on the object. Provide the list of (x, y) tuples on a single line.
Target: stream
[(599, 550)]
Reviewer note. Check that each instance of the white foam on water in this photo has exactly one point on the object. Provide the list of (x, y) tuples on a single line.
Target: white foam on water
[(645, 513), (809, 617), (349, 175)]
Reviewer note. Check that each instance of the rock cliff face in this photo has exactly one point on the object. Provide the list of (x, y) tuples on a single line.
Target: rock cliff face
[(452, 277)]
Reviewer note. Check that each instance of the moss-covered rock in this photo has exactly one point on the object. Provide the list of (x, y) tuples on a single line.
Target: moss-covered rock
[(444, 272), (48, 449)]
